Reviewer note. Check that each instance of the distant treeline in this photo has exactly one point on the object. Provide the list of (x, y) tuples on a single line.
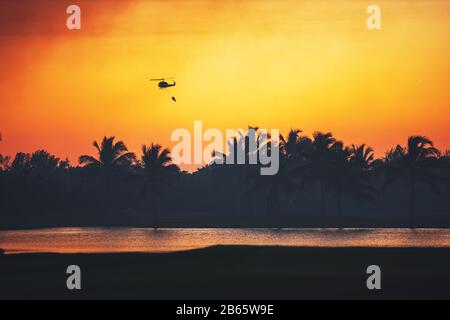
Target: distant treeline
[(318, 176)]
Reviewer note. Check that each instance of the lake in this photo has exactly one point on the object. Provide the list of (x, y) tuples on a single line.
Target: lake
[(102, 240)]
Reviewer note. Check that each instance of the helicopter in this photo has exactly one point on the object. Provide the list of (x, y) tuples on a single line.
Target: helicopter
[(163, 84)]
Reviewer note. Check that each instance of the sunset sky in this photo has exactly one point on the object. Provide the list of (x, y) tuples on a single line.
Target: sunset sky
[(304, 64)]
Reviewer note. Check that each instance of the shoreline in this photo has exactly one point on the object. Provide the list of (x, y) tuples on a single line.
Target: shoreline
[(257, 222)]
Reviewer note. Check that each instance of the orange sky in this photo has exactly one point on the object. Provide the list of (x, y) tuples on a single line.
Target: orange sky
[(304, 64)]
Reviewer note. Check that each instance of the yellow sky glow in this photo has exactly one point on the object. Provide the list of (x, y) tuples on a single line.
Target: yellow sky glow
[(312, 65)]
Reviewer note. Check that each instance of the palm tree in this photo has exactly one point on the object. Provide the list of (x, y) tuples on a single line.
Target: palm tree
[(289, 145), (414, 164), (351, 170), (110, 155), (361, 156), (241, 149), (276, 186), (318, 157), (158, 173)]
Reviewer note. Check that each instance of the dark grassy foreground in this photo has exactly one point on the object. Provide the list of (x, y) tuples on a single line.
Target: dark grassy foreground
[(232, 272)]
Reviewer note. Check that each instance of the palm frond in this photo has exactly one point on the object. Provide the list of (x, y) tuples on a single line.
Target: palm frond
[(89, 161)]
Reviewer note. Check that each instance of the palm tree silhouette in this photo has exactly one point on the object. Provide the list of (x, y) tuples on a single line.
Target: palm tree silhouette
[(244, 146), (110, 155), (289, 146), (158, 173), (350, 173), (414, 164), (284, 183), (241, 148), (318, 165), (361, 156)]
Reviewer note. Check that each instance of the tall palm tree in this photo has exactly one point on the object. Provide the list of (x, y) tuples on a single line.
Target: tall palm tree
[(350, 173), (274, 187), (158, 173), (361, 156), (414, 164), (289, 145), (110, 155), (249, 144), (318, 165)]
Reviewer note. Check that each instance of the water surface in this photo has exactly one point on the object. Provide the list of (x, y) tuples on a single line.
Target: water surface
[(98, 240)]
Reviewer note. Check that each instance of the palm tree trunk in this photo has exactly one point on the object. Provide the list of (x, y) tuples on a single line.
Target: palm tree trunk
[(273, 204), (268, 205), (276, 204), (339, 205), (154, 210), (237, 201), (322, 199), (107, 182), (411, 204), (238, 194)]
